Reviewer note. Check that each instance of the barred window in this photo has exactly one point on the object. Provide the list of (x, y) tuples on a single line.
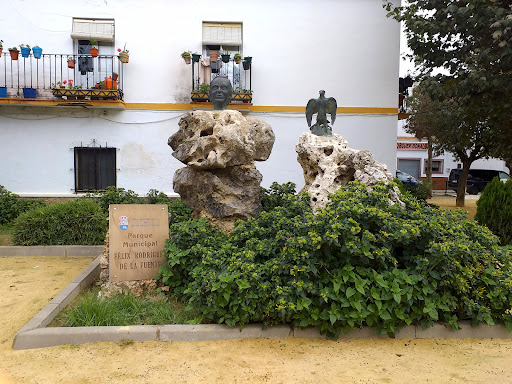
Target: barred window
[(95, 168)]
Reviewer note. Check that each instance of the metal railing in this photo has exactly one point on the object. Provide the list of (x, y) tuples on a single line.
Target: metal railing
[(239, 74), (61, 76)]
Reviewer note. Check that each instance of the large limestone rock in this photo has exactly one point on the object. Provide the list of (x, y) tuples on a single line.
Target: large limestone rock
[(329, 163), (211, 140), (221, 182), (220, 195)]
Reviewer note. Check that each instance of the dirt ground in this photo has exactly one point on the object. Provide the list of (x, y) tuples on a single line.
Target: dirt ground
[(28, 283)]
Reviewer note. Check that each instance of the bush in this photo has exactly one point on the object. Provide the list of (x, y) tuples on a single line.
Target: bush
[(359, 261), (113, 195), (11, 205), (421, 191), (178, 209), (494, 209), (76, 222)]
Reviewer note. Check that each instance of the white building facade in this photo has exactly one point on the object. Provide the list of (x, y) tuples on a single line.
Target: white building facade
[(50, 144)]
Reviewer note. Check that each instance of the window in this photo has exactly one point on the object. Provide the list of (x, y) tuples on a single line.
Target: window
[(437, 166), (95, 168)]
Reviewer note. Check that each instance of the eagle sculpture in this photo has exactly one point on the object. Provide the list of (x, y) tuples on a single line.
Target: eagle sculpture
[(321, 106)]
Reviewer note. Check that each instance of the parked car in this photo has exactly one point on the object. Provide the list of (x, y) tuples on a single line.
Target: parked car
[(477, 179), (405, 178)]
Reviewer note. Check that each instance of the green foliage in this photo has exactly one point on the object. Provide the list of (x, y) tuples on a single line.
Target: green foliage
[(178, 209), (494, 209), (113, 195), (360, 261), (275, 195), (419, 191), (11, 205), (79, 222), (92, 310)]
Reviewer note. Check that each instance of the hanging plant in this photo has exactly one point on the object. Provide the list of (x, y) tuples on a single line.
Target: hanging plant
[(94, 49), (37, 51)]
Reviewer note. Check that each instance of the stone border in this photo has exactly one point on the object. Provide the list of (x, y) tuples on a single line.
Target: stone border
[(52, 250), (35, 334)]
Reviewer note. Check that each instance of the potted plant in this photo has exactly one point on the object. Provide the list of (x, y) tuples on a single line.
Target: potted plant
[(14, 53), (37, 51), (214, 55), (187, 56), (115, 76), (71, 62), (247, 62), (124, 55), (196, 57), (237, 57), (3, 92), (1, 47), (94, 49), (201, 94), (225, 57), (25, 50)]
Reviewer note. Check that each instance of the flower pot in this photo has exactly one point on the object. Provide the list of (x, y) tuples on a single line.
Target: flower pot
[(238, 60), (187, 59), (195, 57), (25, 52), (225, 58), (94, 52), (29, 93), (1, 49), (124, 57), (37, 52), (109, 83), (71, 64), (115, 76), (248, 59), (3, 92), (214, 55), (246, 65), (14, 54)]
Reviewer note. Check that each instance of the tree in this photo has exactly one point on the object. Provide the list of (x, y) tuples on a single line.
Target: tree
[(449, 126), (472, 42)]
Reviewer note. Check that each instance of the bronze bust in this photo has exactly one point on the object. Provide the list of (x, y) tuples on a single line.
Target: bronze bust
[(220, 92)]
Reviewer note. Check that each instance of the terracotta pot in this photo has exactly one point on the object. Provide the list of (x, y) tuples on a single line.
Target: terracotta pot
[(71, 64), (214, 55), (14, 54), (187, 59), (115, 76), (1, 49), (94, 52)]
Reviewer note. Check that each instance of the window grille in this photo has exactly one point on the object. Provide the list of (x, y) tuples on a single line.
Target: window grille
[(95, 168)]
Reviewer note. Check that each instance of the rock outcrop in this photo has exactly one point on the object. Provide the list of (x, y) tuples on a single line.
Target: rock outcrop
[(329, 163), (221, 182)]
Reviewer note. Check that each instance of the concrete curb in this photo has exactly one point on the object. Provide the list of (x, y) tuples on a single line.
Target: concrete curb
[(52, 250), (35, 334)]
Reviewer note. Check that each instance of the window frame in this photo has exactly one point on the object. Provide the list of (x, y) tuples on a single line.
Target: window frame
[(101, 179)]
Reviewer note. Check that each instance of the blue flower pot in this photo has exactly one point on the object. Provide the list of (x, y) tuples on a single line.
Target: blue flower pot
[(29, 93), (37, 52), (3, 92), (25, 51)]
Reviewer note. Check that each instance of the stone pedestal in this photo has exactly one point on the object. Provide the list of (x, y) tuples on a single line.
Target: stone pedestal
[(220, 181), (329, 163)]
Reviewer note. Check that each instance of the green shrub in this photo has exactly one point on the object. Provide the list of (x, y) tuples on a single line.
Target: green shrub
[(113, 195), (76, 222), (178, 209), (273, 197), (421, 191), (494, 209), (359, 261), (11, 205)]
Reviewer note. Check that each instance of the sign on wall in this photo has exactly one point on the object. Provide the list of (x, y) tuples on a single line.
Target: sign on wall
[(137, 238)]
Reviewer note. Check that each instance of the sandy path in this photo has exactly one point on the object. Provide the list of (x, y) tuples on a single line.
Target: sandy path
[(25, 289)]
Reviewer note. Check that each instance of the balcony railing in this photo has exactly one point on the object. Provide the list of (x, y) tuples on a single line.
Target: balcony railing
[(60, 76), (238, 73)]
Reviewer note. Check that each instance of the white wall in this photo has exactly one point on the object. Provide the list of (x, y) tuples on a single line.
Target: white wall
[(346, 47)]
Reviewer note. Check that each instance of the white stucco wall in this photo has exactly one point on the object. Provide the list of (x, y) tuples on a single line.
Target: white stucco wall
[(346, 47)]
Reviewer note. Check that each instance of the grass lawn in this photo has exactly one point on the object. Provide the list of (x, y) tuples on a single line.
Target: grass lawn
[(448, 202)]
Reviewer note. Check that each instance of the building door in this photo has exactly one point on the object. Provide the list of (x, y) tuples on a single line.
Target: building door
[(410, 166)]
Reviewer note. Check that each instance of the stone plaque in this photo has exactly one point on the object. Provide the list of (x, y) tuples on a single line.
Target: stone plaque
[(137, 238)]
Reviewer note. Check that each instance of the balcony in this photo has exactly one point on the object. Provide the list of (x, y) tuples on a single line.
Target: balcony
[(238, 72), (62, 79)]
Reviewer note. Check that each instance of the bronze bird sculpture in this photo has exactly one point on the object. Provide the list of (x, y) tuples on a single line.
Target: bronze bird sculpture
[(321, 106)]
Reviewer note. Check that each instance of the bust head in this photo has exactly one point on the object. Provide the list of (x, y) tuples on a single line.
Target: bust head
[(220, 92)]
